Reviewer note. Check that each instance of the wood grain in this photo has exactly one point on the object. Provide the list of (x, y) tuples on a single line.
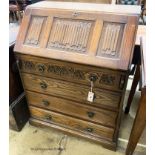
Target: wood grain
[(71, 91), (104, 142), (73, 45), (70, 122), (67, 107), (106, 78), (85, 49)]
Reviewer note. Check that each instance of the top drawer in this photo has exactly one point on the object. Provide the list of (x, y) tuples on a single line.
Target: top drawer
[(71, 91), (103, 78)]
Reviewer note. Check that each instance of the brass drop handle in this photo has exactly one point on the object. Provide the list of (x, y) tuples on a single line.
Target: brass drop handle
[(45, 102), (89, 129), (90, 114), (43, 85), (41, 68), (48, 117)]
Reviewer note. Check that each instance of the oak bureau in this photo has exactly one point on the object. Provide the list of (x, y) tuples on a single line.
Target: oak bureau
[(74, 61)]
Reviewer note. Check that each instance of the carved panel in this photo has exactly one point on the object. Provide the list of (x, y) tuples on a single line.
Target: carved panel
[(107, 79), (70, 35), (58, 70), (34, 30), (110, 42), (71, 72), (27, 65), (63, 71)]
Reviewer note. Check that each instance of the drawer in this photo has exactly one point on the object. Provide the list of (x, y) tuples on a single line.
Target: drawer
[(71, 122), (68, 107), (71, 91), (103, 78)]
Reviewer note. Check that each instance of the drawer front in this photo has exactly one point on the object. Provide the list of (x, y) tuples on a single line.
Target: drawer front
[(71, 91), (104, 117), (104, 78), (71, 122)]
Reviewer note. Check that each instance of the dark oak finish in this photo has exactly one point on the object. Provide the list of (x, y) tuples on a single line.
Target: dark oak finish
[(64, 48), (140, 119), (18, 113), (138, 77), (15, 86), (133, 88), (18, 109), (138, 126)]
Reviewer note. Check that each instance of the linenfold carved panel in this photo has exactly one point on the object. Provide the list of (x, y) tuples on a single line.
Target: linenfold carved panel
[(69, 35), (34, 30), (110, 41)]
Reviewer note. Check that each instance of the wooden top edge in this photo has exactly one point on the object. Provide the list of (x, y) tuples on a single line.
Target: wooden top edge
[(110, 8)]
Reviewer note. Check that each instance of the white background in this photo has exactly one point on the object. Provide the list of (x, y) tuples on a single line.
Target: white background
[(4, 77)]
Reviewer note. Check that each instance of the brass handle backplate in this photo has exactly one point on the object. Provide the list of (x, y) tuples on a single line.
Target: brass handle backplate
[(90, 114), (41, 68), (89, 129), (93, 77), (48, 117), (43, 85), (45, 102)]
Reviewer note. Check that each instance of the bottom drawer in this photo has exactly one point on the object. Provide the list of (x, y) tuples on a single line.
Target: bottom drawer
[(68, 107), (73, 123)]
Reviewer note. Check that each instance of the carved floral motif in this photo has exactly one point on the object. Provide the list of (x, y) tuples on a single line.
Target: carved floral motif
[(69, 72), (28, 65), (107, 79), (74, 73)]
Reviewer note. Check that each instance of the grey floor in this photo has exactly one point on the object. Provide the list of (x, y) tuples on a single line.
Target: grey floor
[(39, 141)]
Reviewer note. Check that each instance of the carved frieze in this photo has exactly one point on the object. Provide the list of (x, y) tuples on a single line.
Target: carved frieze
[(107, 79), (69, 35), (63, 71), (70, 72), (28, 65), (34, 30), (110, 42), (58, 70)]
